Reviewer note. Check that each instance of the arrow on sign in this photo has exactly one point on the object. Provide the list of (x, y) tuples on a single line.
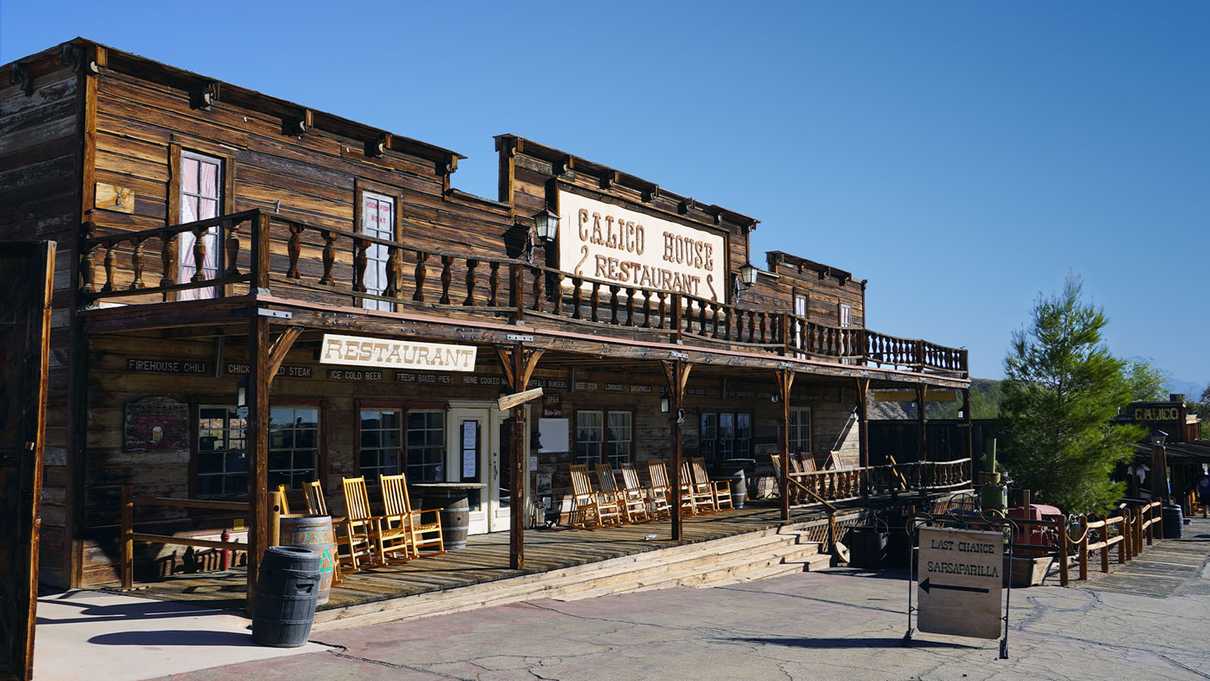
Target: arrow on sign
[(951, 587)]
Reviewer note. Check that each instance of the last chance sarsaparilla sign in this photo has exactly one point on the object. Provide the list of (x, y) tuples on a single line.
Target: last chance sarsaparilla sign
[(362, 351)]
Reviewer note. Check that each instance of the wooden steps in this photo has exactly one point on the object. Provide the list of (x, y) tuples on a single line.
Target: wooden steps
[(753, 555)]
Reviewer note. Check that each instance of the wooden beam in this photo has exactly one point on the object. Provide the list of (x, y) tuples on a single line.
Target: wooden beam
[(519, 364), (968, 437), (517, 399), (257, 444), (785, 388), (863, 423), (280, 348)]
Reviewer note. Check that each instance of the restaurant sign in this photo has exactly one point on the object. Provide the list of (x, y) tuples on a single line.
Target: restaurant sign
[(396, 354), (599, 240)]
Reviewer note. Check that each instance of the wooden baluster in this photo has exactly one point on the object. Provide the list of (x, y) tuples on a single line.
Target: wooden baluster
[(137, 264), (613, 303), (726, 322), (88, 269), (471, 264), (421, 274), (199, 255), (629, 306), (447, 276), (294, 246), (751, 326), (516, 286), (167, 275), (231, 257), (360, 259), (108, 286), (688, 314), (329, 257), (596, 296), (557, 291), (677, 326), (663, 310), (763, 335), (576, 283), (539, 293), (646, 309), (394, 272), (493, 284), (702, 321)]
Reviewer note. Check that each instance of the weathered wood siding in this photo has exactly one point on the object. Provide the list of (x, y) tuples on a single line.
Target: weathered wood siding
[(824, 287), (40, 166)]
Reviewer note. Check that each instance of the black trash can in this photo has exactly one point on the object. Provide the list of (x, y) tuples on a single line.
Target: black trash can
[(1173, 521), (739, 489), (286, 595), (867, 547)]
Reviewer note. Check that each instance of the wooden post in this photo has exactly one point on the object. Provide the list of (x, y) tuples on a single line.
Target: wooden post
[(1105, 546), (279, 498), (785, 387), (863, 431), (519, 365), (1061, 524), (1084, 550), (257, 443), (921, 424), (968, 439), (1123, 526), (127, 538), (676, 372)]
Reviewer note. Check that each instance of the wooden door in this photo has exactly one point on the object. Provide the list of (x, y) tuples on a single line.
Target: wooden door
[(26, 276)]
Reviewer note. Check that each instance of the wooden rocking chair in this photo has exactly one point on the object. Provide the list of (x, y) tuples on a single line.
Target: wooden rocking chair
[(635, 497), (720, 490), (628, 512), (353, 535), (397, 501), (587, 505), (660, 490), (696, 497)]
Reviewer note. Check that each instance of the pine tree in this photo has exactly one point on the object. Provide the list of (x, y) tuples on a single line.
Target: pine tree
[(1063, 388)]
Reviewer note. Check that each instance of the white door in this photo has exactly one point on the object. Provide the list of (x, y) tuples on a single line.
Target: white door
[(478, 450)]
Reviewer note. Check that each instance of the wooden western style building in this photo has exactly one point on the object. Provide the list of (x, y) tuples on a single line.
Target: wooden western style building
[(250, 292)]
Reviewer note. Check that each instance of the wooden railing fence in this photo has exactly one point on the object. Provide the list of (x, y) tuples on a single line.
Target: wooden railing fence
[(252, 250)]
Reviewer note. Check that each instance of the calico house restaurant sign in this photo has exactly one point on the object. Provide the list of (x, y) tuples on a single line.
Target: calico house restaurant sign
[(396, 354), (959, 582), (599, 240)]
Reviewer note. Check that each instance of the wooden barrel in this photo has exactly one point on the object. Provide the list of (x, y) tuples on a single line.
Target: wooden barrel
[(455, 522), (285, 597), (315, 533)]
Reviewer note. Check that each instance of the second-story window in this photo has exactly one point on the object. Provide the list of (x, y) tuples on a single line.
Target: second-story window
[(201, 198), (846, 315), (377, 220)]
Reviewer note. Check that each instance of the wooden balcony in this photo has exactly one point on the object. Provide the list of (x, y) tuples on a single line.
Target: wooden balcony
[(259, 251)]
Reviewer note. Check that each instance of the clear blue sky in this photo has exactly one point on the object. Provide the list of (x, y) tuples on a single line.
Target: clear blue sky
[(962, 156)]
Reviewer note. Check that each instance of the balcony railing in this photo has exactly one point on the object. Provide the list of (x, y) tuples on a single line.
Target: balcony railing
[(258, 250)]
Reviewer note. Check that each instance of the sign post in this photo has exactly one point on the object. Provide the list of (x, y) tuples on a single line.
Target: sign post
[(959, 584)]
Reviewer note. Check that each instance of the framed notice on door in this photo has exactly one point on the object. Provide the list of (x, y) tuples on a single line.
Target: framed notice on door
[(470, 449)]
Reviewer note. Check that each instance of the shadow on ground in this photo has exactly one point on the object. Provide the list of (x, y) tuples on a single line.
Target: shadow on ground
[(173, 637), (839, 643)]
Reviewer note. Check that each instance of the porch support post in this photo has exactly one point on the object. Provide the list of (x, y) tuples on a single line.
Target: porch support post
[(257, 444), (968, 436), (863, 427), (785, 386), (519, 364), (676, 372), (920, 424)]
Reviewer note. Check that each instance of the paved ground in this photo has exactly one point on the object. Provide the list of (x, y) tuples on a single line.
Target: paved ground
[(1149, 620), (90, 636)]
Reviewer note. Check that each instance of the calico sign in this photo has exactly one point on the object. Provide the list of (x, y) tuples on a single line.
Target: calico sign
[(599, 240), (960, 574), (396, 354)]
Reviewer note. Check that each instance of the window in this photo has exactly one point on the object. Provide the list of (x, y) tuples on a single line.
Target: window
[(293, 445), (800, 310), (222, 460), (618, 443), (590, 436), (380, 434), (377, 220), (604, 437), (426, 446), (800, 430), (201, 196), (846, 315), (726, 435)]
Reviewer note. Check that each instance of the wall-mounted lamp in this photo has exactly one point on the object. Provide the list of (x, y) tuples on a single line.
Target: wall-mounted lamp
[(747, 274), (546, 223), (775, 397), (665, 403)]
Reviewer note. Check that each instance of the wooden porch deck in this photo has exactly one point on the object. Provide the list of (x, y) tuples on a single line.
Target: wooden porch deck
[(484, 559)]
